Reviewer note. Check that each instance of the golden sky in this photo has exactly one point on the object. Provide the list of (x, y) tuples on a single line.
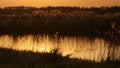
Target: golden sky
[(44, 3)]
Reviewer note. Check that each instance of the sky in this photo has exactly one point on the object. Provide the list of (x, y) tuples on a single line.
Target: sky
[(44, 3)]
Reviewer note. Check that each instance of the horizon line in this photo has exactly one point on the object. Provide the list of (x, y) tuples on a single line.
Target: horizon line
[(65, 6)]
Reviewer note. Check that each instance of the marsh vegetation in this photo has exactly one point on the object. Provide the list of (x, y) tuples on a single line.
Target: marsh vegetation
[(59, 36)]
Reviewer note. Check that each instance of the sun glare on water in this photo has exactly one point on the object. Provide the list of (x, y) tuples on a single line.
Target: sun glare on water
[(81, 48)]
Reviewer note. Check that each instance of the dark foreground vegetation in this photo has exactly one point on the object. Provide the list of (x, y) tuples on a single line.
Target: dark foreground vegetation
[(26, 59), (91, 22)]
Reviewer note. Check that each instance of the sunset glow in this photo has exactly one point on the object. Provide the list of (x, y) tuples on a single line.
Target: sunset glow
[(44, 3)]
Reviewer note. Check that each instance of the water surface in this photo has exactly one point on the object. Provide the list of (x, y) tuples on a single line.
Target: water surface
[(77, 47)]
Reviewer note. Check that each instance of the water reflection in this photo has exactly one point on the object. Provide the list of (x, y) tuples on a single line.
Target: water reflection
[(82, 48)]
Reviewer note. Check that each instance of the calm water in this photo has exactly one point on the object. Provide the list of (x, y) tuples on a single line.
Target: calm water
[(77, 47)]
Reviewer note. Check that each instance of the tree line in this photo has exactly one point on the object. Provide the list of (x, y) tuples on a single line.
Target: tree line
[(70, 20)]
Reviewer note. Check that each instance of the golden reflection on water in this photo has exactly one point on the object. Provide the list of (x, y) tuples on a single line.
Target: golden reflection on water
[(82, 48)]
